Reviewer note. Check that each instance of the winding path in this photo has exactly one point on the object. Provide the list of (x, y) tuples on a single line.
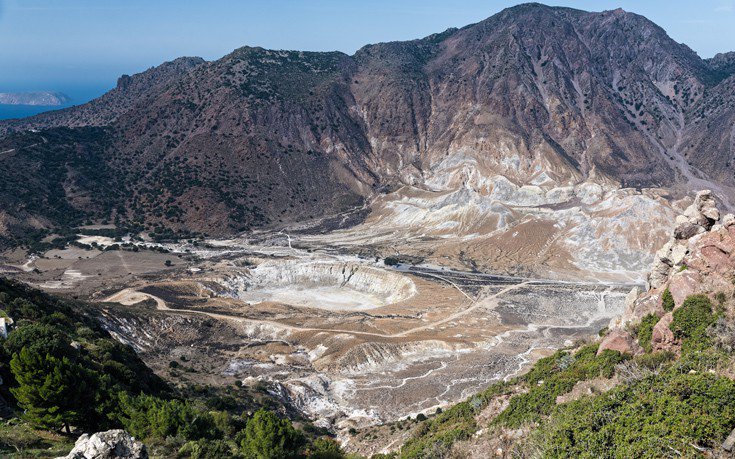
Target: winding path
[(6, 152), (129, 297)]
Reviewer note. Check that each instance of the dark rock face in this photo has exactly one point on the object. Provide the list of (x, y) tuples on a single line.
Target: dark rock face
[(724, 63), (265, 137), (686, 230)]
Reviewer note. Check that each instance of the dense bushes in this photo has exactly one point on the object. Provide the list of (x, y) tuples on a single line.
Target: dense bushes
[(435, 437), (205, 434), (147, 416), (554, 376), (667, 300), (644, 331), (268, 437), (693, 317), (654, 417)]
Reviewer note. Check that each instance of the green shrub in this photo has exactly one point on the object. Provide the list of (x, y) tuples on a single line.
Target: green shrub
[(667, 300), (644, 331), (693, 317), (655, 360), (557, 375), (720, 297), (208, 449), (391, 261), (439, 433), (325, 448), (647, 419), (149, 417)]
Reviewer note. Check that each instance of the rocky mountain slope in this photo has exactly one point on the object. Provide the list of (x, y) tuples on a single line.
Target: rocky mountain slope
[(505, 115), (129, 92)]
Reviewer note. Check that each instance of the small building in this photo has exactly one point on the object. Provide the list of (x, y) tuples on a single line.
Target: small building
[(3, 327)]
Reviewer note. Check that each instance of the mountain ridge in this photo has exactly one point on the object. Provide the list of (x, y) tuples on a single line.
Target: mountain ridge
[(541, 96)]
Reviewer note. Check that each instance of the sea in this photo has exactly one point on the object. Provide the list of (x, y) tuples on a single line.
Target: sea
[(77, 95), (21, 111)]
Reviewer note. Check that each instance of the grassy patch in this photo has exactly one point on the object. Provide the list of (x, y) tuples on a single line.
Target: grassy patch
[(18, 440)]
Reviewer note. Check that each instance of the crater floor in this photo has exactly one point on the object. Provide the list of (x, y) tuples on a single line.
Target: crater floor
[(349, 340)]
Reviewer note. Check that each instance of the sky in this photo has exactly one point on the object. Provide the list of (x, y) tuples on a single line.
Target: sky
[(82, 46)]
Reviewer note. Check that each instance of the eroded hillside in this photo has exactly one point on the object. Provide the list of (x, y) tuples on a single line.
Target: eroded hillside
[(538, 117)]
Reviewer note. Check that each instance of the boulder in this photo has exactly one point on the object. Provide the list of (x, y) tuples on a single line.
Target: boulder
[(670, 255), (112, 444), (662, 338), (705, 209), (659, 274), (678, 252), (698, 218), (688, 230), (683, 284), (621, 341), (729, 443), (716, 258)]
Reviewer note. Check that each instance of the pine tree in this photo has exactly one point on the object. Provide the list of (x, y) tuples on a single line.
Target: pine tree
[(52, 391), (269, 437)]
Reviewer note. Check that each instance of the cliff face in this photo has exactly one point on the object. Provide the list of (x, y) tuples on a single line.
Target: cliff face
[(699, 259), (531, 100)]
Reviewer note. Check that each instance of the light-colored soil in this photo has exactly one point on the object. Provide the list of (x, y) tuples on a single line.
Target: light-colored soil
[(344, 338), (450, 338)]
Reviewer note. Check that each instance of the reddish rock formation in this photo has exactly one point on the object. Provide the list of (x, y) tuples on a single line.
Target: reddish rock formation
[(663, 338), (621, 341), (702, 263)]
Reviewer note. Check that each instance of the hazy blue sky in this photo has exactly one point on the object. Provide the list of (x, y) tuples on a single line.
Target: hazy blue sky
[(86, 44)]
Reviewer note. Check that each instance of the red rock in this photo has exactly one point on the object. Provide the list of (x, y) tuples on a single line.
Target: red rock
[(717, 259), (621, 341), (663, 338), (684, 284)]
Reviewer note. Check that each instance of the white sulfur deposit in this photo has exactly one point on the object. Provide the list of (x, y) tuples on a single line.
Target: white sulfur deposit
[(326, 285)]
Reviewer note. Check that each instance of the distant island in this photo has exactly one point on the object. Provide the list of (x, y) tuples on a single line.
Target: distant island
[(33, 98)]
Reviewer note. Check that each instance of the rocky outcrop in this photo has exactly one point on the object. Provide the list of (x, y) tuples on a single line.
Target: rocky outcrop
[(697, 219), (698, 259), (621, 341), (112, 444), (663, 338)]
